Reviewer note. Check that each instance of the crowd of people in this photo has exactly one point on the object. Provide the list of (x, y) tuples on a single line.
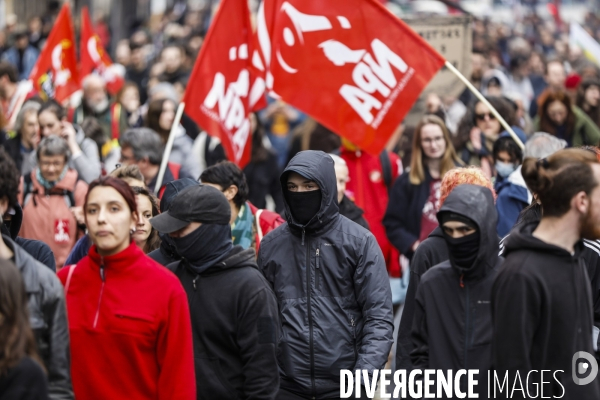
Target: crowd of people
[(265, 282)]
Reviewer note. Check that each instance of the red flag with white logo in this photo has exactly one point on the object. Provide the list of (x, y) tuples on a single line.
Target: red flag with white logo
[(350, 64), (95, 59), (223, 87), (55, 74)]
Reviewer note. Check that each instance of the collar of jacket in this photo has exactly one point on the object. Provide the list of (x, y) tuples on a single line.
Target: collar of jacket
[(68, 182), (23, 263), (318, 167), (522, 239), (116, 262)]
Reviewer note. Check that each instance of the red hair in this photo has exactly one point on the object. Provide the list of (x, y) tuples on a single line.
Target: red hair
[(459, 176), (119, 185)]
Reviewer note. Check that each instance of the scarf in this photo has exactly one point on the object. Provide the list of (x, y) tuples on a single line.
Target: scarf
[(242, 229), (46, 184)]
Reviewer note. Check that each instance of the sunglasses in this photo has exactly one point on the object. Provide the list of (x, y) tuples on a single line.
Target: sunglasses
[(481, 117)]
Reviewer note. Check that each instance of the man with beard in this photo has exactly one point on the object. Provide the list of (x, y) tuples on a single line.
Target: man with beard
[(329, 276), (96, 103), (541, 301), (233, 309)]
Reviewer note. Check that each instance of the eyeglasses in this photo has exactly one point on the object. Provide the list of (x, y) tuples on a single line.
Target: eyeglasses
[(430, 141), (55, 164), (481, 117)]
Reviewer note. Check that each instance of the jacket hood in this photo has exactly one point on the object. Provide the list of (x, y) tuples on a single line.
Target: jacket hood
[(500, 76), (476, 203), (238, 257), (15, 223), (437, 232), (317, 166), (521, 238)]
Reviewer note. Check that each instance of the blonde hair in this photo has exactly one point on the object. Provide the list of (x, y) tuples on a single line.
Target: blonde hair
[(449, 159)]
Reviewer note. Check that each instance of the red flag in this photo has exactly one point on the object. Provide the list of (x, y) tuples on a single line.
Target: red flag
[(350, 64), (94, 58), (223, 89), (55, 74)]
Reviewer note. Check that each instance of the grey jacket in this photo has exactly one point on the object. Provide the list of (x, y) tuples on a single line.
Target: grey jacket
[(332, 289), (87, 164), (48, 317)]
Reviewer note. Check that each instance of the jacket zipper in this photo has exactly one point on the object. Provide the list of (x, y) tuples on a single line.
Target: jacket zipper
[(310, 321), (103, 277), (466, 322), (317, 272), (354, 337)]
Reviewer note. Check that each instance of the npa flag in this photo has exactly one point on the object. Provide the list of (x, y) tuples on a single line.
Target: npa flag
[(95, 59), (55, 74), (223, 88), (350, 64)]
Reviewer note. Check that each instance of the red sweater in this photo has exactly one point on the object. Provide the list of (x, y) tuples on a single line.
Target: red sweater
[(131, 336)]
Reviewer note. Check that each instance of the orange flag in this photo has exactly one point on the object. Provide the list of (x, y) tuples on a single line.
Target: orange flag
[(94, 58), (55, 74)]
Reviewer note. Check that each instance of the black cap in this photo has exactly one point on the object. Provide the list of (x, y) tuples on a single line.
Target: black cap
[(445, 216), (198, 203), (172, 189)]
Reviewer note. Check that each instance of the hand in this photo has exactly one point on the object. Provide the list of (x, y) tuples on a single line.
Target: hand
[(475, 136), (68, 132), (433, 103)]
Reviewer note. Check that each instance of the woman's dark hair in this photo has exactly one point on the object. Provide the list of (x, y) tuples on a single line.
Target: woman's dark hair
[(592, 112), (155, 109), (55, 108), (226, 174), (126, 86), (119, 185), (548, 97), (9, 178), (559, 177), (153, 241), (468, 121), (507, 144), (16, 337)]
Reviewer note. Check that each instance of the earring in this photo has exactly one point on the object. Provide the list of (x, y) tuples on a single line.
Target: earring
[(132, 231)]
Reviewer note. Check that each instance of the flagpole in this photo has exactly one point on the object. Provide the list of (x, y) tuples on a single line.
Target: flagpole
[(487, 103), (168, 148)]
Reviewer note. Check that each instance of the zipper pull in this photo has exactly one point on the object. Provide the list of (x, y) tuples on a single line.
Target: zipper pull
[(302, 236), (462, 284), (352, 321), (102, 273), (194, 281)]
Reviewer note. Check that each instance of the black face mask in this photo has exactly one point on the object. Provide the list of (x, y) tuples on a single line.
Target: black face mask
[(304, 205), (205, 246), (463, 251)]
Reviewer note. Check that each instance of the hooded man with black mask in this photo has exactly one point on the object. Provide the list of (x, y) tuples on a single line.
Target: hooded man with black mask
[(233, 309), (166, 253), (452, 325), (329, 276)]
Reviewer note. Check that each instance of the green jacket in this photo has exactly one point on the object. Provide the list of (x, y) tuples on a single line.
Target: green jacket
[(586, 131)]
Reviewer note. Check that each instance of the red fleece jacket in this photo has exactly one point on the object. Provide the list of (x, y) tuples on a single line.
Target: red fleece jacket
[(131, 336)]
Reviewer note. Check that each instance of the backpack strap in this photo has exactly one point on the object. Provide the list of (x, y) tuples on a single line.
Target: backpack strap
[(386, 169), (69, 276)]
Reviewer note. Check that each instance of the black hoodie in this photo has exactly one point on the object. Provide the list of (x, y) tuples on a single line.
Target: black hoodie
[(542, 312), (329, 276), (234, 320), (36, 248), (452, 325)]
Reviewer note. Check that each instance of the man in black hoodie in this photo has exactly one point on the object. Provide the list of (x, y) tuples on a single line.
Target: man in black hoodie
[(452, 326), (431, 251), (541, 301), (329, 276), (233, 309)]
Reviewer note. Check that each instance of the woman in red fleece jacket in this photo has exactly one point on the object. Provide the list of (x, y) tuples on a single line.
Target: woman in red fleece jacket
[(128, 316)]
